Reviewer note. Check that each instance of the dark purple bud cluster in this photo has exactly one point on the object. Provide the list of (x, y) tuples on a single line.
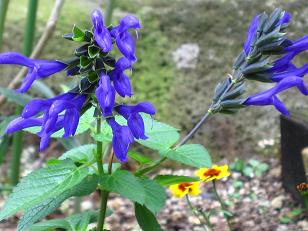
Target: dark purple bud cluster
[(266, 57)]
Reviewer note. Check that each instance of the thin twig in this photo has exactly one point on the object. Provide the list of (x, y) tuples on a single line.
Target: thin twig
[(49, 29)]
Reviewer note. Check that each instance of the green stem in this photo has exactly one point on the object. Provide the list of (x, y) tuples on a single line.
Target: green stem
[(207, 220), (77, 204), (305, 197), (109, 10), (183, 141), (99, 148), (222, 204), (27, 48), (3, 9), (194, 211), (30, 27), (104, 198), (102, 211), (190, 134)]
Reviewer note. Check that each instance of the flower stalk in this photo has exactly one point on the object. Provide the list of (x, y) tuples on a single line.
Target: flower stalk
[(3, 10), (222, 205), (195, 212)]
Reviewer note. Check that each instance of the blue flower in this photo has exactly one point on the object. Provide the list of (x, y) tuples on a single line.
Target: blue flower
[(298, 45), (291, 71), (101, 33), (269, 97), (37, 68), (105, 95), (284, 19), (251, 34), (134, 119), (120, 80), (121, 140), (124, 40), (59, 112)]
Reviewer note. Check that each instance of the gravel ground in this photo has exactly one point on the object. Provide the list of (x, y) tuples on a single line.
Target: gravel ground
[(257, 204)]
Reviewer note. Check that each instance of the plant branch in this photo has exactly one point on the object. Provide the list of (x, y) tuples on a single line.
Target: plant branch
[(222, 204), (49, 29), (104, 198), (194, 211), (203, 119)]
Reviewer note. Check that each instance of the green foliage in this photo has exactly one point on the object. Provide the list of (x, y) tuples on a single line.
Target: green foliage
[(155, 196), (167, 180), (75, 222), (37, 212), (82, 154), (251, 168), (146, 219), (141, 159), (190, 154), (78, 34), (13, 96), (141, 190), (291, 216), (160, 135), (124, 183), (43, 184)]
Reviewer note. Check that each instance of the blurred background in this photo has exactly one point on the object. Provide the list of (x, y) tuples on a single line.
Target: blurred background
[(184, 49)]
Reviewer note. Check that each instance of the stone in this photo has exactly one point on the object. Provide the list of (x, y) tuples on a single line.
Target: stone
[(186, 56), (277, 202)]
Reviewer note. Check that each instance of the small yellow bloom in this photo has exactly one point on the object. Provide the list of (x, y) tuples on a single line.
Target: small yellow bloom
[(182, 189), (214, 173)]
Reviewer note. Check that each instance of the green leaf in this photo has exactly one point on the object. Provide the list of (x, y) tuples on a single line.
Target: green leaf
[(84, 62), (124, 183), (81, 154), (43, 184), (285, 220), (139, 158), (37, 212), (75, 222), (146, 220), (160, 136), (248, 171), (155, 195), (167, 180), (92, 76), (190, 154), (78, 34), (13, 96), (93, 51)]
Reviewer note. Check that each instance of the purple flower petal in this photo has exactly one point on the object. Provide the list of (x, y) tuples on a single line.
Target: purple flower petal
[(105, 94), (293, 71), (15, 58), (122, 138), (269, 97), (136, 125), (251, 34), (285, 19), (101, 33), (22, 123), (126, 45)]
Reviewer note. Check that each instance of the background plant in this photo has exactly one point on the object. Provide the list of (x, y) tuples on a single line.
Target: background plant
[(76, 167)]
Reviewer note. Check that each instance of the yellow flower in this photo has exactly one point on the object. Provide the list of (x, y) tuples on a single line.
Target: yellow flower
[(214, 173), (182, 189)]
